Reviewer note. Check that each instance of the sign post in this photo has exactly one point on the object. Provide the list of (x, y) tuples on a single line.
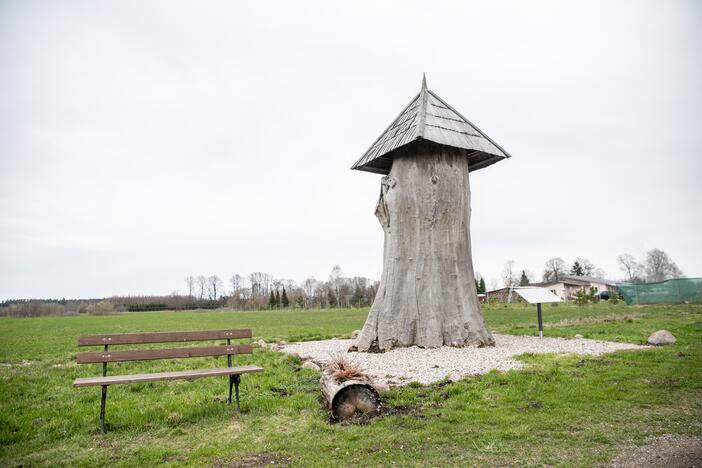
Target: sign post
[(536, 295), (541, 323)]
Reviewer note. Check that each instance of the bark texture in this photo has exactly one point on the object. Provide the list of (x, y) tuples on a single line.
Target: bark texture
[(427, 295)]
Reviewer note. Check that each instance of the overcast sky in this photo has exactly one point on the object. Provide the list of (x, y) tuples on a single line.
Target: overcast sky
[(141, 142)]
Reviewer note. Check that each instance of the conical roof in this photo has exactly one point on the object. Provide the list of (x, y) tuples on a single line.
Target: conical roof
[(428, 117)]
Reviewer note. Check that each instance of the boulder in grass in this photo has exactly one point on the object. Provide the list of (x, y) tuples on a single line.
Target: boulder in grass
[(261, 344), (661, 337)]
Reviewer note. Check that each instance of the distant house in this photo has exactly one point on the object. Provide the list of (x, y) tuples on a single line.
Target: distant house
[(503, 295), (565, 288), (568, 285)]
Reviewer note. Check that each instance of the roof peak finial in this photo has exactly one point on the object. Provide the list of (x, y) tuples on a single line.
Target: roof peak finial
[(424, 81)]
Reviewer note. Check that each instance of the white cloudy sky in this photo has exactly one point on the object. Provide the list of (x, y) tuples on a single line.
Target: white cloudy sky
[(141, 142)]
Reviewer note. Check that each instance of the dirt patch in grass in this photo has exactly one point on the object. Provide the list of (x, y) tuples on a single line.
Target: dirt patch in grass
[(402, 410), (415, 411), (663, 382), (532, 405), (280, 391), (669, 451), (255, 460)]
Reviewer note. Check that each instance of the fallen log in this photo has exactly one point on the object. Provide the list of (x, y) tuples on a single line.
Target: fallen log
[(348, 392), (350, 398)]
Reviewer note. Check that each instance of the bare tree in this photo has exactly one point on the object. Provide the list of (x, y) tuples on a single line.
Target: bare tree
[(214, 286), (336, 281), (631, 268), (508, 277), (660, 267), (277, 285), (255, 279), (310, 286), (266, 283), (554, 269), (190, 281), (288, 284), (237, 283), (201, 286)]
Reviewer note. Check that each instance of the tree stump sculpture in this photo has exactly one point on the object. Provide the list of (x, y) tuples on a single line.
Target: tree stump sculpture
[(427, 295)]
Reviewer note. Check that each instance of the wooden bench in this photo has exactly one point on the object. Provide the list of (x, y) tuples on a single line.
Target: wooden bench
[(107, 355)]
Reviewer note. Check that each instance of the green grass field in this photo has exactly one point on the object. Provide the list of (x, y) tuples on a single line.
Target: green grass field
[(559, 410)]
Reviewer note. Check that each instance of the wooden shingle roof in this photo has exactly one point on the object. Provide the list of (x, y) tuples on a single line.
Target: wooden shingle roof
[(428, 117)]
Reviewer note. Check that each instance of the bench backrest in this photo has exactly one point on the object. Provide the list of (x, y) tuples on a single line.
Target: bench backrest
[(163, 353)]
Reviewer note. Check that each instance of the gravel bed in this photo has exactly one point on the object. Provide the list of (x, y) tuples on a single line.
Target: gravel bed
[(404, 365), (668, 451)]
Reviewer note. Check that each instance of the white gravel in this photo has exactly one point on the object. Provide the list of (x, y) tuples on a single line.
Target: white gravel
[(405, 365)]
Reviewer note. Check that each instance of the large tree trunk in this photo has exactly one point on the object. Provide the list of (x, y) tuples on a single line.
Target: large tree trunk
[(427, 295)]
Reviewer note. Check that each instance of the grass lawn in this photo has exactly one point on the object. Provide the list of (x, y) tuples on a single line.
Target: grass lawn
[(558, 410)]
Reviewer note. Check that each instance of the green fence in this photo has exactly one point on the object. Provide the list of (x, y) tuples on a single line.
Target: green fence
[(673, 291)]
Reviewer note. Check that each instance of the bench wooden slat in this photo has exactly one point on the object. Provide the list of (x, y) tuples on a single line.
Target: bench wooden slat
[(165, 353), (189, 374), (162, 337)]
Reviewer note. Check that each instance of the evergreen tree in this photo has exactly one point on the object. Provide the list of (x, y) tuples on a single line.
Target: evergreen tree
[(358, 297), (524, 280), (477, 286), (481, 286), (277, 299), (284, 299), (577, 269), (271, 301)]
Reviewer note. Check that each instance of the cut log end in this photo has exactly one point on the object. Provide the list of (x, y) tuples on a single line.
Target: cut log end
[(350, 399), (355, 401)]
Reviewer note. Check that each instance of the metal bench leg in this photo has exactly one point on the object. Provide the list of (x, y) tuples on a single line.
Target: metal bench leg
[(102, 409), (237, 379), (234, 380)]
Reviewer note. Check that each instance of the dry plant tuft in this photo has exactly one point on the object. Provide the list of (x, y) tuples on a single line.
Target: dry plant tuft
[(341, 368)]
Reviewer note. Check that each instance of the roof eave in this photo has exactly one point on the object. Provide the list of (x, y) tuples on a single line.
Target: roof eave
[(489, 160)]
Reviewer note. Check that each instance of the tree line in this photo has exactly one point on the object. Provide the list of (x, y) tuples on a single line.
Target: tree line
[(260, 290), (655, 266), (255, 291)]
